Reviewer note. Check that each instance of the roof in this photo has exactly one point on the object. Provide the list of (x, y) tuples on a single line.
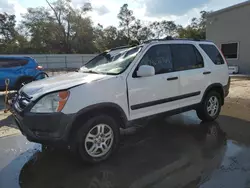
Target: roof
[(175, 39), (15, 57), (229, 8)]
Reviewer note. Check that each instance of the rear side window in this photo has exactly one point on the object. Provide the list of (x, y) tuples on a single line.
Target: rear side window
[(213, 53), (186, 56), (9, 63)]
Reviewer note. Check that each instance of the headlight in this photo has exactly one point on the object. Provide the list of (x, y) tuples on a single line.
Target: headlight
[(53, 102)]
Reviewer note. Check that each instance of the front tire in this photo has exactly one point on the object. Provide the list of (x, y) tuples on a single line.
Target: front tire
[(210, 107), (98, 138)]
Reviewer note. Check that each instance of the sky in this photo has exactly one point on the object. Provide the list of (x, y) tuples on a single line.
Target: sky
[(105, 11)]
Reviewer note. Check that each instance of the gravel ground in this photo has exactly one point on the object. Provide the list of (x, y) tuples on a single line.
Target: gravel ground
[(238, 100), (237, 103)]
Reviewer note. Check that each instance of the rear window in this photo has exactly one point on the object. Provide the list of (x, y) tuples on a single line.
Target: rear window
[(213, 53), (8, 62)]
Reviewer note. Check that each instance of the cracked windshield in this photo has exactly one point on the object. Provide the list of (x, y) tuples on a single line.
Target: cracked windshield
[(124, 94)]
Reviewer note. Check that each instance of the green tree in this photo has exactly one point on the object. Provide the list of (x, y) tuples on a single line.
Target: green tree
[(170, 28), (157, 29), (60, 28), (109, 37), (7, 27), (163, 28), (82, 35), (126, 21), (189, 33), (10, 39), (68, 21), (145, 33), (140, 32), (197, 28), (41, 29)]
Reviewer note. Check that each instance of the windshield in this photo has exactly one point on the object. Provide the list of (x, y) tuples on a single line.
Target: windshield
[(105, 64)]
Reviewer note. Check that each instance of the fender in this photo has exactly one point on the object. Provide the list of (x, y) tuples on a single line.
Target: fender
[(106, 105), (72, 127)]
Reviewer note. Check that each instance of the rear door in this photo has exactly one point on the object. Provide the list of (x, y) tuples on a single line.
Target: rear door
[(194, 73), (10, 68), (219, 67)]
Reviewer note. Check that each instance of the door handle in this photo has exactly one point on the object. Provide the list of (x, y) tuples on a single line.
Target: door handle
[(208, 72), (172, 78)]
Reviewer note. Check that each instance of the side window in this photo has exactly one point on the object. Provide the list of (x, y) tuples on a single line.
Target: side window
[(9, 63), (186, 56), (159, 57), (199, 59), (213, 53), (23, 62)]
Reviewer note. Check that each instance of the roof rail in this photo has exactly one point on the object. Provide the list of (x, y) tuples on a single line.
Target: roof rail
[(164, 39), (152, 40), (171, 38)]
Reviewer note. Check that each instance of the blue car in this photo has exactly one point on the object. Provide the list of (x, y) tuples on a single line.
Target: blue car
[(19, 70)]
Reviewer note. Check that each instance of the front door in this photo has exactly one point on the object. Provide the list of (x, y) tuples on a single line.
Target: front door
[(155, 94)]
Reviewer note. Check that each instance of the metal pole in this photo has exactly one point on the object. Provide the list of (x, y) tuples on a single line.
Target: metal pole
[(66, 62), (47, 63)]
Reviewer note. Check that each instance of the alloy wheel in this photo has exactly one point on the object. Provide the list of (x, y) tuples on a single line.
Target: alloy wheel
[(99, 140), (212, 106)]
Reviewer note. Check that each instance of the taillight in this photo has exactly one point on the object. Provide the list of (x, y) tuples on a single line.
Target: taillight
[(39, 67)]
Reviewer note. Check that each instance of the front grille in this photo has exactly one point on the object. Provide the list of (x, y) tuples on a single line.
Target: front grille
[(21, 102)]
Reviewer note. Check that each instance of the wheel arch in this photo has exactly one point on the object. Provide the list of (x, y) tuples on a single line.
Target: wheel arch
[(111, 109), (215, 87)]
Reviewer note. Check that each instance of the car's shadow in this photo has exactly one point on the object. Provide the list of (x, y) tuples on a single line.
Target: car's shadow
[(8, 121), (177, 152), (158, 155)]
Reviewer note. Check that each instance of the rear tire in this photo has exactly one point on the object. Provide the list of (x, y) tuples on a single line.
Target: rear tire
[(97, 138), (210, 107)]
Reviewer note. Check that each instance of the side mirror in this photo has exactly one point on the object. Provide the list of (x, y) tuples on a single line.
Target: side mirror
[(146, 71)]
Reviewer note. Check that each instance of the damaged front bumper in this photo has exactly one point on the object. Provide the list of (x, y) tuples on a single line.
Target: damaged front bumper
[(45, 128)]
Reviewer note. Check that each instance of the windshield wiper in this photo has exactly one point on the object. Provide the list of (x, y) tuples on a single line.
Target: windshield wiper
[(94, 72), (90, 71)]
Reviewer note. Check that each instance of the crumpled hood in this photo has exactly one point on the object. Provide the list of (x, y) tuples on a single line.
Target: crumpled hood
[(60, 82)]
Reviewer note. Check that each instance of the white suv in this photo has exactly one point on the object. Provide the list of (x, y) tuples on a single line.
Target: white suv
[(86, 109)]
